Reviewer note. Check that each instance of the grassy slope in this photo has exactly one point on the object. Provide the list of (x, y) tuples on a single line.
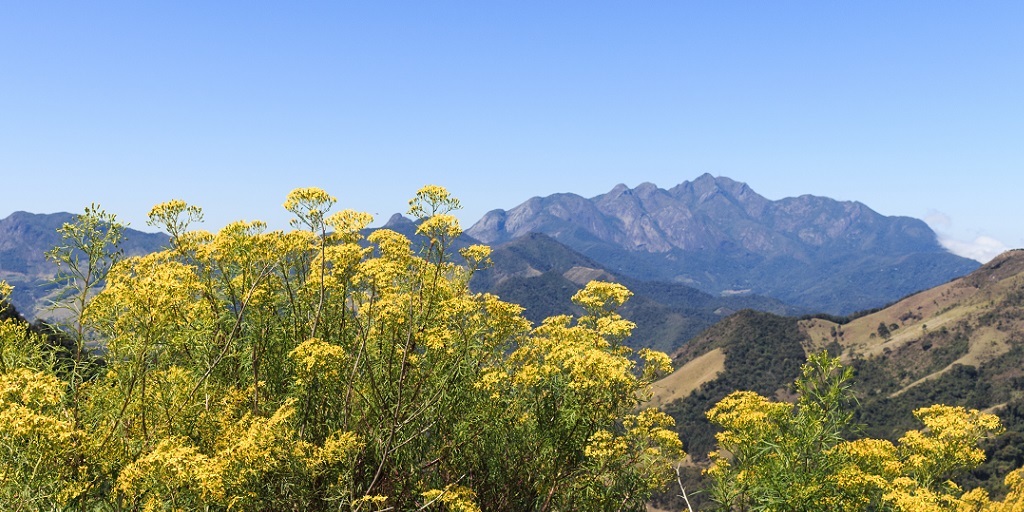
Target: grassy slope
[(690, 377)]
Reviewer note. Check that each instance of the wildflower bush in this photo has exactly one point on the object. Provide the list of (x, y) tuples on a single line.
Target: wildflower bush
[(314, 369), (782, 456)]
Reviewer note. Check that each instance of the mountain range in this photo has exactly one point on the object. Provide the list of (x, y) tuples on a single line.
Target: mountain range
[(721, 237), (692, 254), (542, 275)]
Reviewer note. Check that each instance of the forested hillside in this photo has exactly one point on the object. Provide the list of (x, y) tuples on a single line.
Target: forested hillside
[(540, 274), (959, 344)]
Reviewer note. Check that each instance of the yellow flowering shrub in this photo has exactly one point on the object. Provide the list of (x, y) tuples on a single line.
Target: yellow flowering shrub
[(949, 442), (1014, 500), (781, 456), (172, 473), (453, 498), (38, 442), (314, 369)]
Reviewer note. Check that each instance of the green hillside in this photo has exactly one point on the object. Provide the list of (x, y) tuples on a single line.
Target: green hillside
[(961, 343)]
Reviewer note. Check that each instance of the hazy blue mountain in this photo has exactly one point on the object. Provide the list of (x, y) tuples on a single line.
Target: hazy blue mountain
[(721, 237)]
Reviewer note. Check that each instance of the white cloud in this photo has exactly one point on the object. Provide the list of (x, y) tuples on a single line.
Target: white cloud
[(938, 220), (982, 248)]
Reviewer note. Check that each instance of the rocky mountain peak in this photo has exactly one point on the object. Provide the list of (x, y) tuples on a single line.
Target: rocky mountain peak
[(491, 226), (398, 221), (720, 235), (619, 189)]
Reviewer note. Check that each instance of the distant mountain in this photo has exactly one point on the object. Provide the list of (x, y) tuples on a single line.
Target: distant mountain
[(718, 235), (24, 240), (542, 275), (961, 343)]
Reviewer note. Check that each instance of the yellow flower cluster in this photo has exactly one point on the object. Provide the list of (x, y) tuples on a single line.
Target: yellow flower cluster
[(656, 364), (35, 389), (603, 445), (432, 200), (477, 256), (456, 498), (348, 223), (392, 245), (575, 352), (877, 454), (949, 441), (745, 413), (309, 197), (599, 297), (653, 428), (317, 359), (174, 216), (310, 206), (440, 227), (340, 447), (172, 471)]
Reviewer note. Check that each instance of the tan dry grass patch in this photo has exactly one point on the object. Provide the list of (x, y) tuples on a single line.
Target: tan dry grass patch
[(688, 378)]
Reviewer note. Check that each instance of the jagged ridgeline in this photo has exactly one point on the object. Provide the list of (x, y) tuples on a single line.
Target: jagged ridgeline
[(316, 369), (721, 237)]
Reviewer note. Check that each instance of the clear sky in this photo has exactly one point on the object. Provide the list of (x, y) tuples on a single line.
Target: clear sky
[(913, 108)]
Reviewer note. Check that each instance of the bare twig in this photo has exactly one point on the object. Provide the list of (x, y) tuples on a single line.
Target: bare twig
[(679, 480)]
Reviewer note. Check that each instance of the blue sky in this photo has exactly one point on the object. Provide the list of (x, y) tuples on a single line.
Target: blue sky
[(913, 108)]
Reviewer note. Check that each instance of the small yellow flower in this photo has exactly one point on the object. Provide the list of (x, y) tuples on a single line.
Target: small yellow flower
[(477, 256), (432, 200)]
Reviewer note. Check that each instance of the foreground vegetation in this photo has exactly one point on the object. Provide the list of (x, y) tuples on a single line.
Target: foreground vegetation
[(316, 370), (321, 370)]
